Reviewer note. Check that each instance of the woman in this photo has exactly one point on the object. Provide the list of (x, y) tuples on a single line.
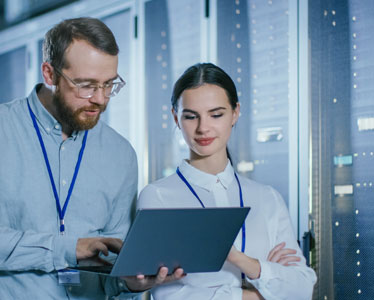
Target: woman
[(265, 261)]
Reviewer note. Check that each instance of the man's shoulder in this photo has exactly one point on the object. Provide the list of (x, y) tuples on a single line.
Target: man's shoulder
[(12, 110), (13, 105), (108, 137)]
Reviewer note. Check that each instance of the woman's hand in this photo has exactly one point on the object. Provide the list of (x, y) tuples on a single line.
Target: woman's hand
[(283, 256)]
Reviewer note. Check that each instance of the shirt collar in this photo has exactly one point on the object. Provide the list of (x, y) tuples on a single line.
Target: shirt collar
[(205, 180), (46, 121)]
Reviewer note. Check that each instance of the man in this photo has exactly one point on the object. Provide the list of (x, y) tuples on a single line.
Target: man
[(67, 180)]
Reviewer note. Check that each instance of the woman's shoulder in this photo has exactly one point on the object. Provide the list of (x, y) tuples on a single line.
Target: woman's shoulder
[(260, 190), (159, 192), (168, 182)]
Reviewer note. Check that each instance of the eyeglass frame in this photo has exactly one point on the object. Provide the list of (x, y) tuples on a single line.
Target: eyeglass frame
[(96, 86)]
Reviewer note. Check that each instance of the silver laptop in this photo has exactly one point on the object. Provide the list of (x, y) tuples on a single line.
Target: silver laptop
[(195, 239)]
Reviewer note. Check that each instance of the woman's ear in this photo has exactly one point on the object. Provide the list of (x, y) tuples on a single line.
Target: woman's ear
[(175, 116), (236, 114)]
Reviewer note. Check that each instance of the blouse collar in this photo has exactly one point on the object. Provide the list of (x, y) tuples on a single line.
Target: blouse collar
[(205, 180)]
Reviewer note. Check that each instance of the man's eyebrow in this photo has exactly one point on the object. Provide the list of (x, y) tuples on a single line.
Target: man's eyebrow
[(90, 80)]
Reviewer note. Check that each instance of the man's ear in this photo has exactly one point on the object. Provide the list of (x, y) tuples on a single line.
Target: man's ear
[(48, 74), (175, 115)]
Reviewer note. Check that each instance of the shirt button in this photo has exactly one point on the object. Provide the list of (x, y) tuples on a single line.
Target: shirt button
[(48, 129), (70, 288), (63, 182), (57, 126), (62, 148), (120, 284)]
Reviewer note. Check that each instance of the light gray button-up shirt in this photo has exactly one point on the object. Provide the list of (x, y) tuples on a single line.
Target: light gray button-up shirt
[(31, 248)]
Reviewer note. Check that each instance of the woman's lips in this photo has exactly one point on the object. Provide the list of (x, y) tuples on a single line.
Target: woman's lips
[(204, 141)]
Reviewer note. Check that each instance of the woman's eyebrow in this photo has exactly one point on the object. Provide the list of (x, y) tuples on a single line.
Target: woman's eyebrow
[(187, 110), (215, 109)]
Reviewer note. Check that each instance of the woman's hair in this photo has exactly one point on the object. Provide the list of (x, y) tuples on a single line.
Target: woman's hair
[(205, 73), (200, 74)]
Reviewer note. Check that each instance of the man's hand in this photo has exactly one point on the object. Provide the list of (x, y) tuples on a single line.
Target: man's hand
[(88, 250), (283, 256), (142, 283)]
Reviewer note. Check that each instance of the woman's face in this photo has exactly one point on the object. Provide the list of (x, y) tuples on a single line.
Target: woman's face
[(206, 117)]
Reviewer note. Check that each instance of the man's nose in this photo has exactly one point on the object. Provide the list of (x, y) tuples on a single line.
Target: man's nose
[(99, 96)]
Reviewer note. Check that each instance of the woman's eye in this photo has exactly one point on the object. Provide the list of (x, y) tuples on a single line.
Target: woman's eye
[(189, 117), (217, 115)]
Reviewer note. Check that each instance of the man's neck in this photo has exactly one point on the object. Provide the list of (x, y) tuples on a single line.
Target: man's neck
[(45, 96)]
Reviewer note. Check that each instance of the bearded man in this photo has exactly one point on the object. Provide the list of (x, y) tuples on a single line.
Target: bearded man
[(67, 180)]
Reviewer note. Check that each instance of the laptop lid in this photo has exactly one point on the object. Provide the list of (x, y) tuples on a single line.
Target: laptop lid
[(196, 239)]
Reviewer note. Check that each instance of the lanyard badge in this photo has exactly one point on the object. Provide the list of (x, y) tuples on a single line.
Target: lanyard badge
[(61, 212)]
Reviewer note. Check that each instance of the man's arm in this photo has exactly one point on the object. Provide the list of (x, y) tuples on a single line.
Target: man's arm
[(28, 250)]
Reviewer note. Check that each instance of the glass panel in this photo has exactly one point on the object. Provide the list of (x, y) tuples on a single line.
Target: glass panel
[(342, 113), (172, 44), (13, 74), (117, 114), (253, 48), (16, 11), (40, 60)]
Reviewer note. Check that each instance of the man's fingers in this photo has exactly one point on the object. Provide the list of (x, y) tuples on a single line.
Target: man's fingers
[(98, 246), (105, 245), (114, 245)]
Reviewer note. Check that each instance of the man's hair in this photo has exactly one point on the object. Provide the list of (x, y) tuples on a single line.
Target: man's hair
[(60, 37)]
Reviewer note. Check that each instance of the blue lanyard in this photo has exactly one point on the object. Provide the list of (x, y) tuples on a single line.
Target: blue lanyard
[(61, 212), (202, 204)]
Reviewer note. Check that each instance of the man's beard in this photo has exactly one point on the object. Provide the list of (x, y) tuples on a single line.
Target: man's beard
[(71, 118)]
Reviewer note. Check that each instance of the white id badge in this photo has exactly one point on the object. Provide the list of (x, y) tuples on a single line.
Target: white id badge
[(68, 277)]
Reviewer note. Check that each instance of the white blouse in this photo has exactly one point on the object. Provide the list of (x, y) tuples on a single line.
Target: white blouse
[(267, 225)]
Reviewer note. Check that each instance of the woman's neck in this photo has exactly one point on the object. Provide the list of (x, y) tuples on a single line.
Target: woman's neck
[(211, 165)]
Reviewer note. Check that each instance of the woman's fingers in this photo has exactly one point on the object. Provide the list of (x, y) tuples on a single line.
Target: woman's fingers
[(275, 250), (283, 256)]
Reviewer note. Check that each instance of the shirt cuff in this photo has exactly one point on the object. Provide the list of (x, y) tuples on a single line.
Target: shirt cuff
[(64, 252), (265, 275)]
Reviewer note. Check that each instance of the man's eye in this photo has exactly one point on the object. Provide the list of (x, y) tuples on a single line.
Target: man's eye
[(108, 85), (88, 86)]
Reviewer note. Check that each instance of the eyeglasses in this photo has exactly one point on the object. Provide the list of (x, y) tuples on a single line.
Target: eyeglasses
[(87, 90)]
